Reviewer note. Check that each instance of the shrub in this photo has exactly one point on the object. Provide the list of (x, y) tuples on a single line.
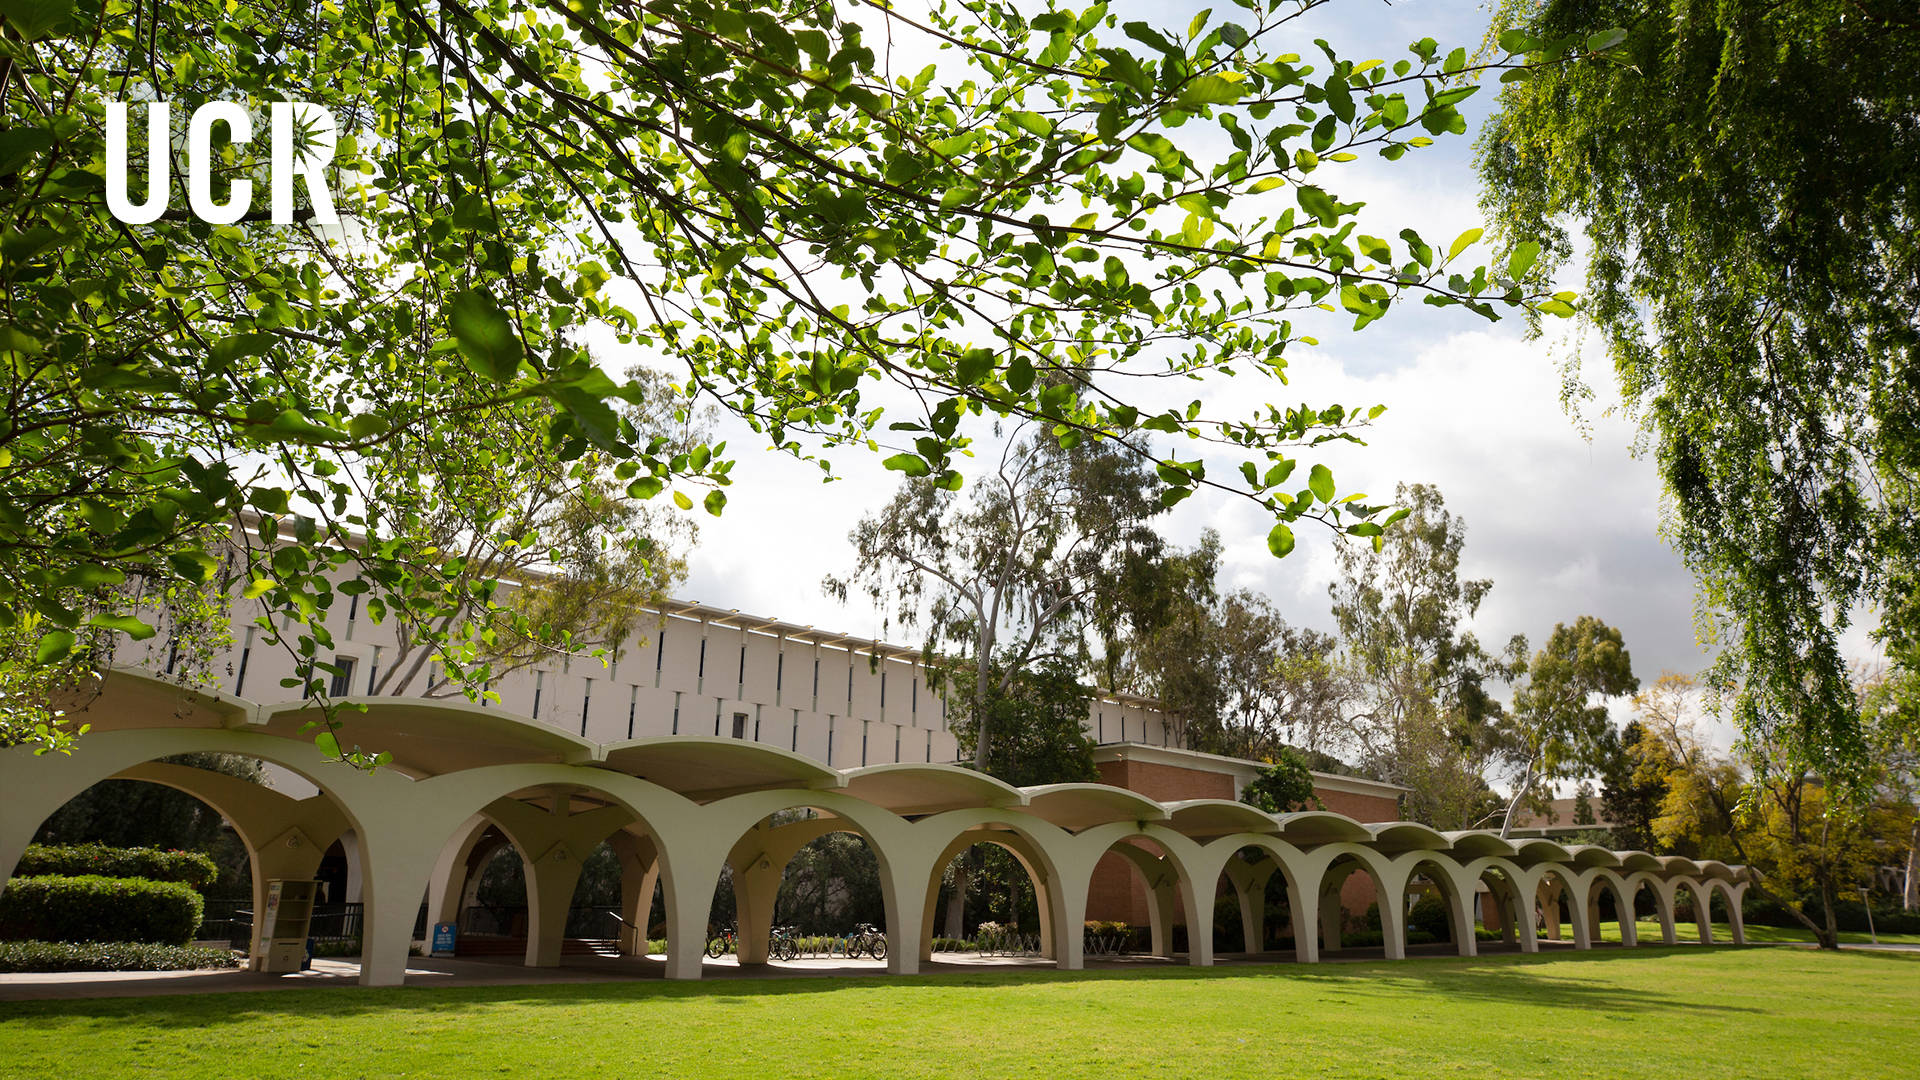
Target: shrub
[(99, 909), (1431, 916), (99, 860), (16, 956)]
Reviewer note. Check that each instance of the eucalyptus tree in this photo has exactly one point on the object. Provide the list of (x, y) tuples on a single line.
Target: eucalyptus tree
[(750, 195), (1742, 187), (1559, 727)]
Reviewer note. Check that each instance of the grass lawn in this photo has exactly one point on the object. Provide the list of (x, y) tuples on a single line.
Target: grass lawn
[(1654, 1013), (1756, 935)]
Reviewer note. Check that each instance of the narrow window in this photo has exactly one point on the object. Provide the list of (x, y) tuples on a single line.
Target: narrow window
[(633, 706), (342, 684), (246, 650), (739, 725), (829, 738), (676, 712), (700, 674), (742, 692), (373, 671), (779, 673), (539, 684), (795, 747), (863, 742), (718, 705), (659, 656), (816, 684)]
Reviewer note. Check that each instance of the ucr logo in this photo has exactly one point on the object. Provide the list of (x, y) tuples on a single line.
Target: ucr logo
[(287, 118)]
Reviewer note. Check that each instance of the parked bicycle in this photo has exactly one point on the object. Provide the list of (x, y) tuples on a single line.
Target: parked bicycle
[(725, 943), (868, 939), (783, 943)]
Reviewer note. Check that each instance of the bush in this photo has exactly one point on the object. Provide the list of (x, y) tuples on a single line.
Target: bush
[(99, 909), (99, 860), (17, 956), (1431, 916)]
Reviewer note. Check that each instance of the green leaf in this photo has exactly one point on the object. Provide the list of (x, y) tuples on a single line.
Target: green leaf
[(680, 500), (258, 587), (1320, 482), (328, 744), (19, 145), (1464, 241), (195, 566), (715, 502), (124, 624), (1122, 65), (35, 19), (54, 647), (1606, 39), (1522, 259), (90, 576), (911, 464), (484, 334), (1280, 540), (1209, 90), (645, 488), (1034, 122)]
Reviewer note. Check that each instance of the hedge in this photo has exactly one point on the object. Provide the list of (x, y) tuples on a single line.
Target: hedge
[(98, 860), (99, 909), (18, 956)]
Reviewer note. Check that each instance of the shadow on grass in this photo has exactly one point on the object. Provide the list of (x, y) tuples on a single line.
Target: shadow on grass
[(1516, 979)]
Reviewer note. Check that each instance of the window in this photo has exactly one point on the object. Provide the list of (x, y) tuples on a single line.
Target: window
[(739, 725), (539, 684), (342, 684)]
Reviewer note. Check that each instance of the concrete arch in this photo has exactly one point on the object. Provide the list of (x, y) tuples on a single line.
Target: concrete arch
[(1552, 883), (283, 837), (1592, 884), (1508, 892), (1662, 891), (1038, 845), (1250, 885), (1700, 891), (1455, 887), (724, 823), (1184, 860), (1323, 867)]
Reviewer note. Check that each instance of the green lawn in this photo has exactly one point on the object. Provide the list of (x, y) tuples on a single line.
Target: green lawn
[(1649, 931), (1655, 1013)]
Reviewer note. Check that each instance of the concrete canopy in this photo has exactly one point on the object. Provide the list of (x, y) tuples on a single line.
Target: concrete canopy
[(1393, 837), (1533, 850), (910, 789), (131, 698), (1592, 855), (708, 767), (1309, 827), (1074, 807), (1219, 817), (430, 737), (1637, 860), (1676, 864), (1476, 843)]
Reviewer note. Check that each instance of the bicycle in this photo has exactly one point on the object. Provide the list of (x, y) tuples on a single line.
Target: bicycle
[(783, 943), (868, 939), (725, 943)]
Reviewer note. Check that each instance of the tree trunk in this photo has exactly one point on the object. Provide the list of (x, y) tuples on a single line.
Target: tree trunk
[(1911, 894), (1829, 937), (957, 902)]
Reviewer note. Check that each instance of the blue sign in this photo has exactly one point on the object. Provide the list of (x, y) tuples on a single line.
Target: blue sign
[(443, 935)]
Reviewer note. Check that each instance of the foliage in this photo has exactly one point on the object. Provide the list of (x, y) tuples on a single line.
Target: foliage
[(1430, 916), (1630, 798), (92, 908), (1232, 675), (748, 197), (1555, 730), (831, 885), (1420, 714), (1039, 726), (1006, 576), (99, 860), (25, 956), (1744, 184), (1286, 785)]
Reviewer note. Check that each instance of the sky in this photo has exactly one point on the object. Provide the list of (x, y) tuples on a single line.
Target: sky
[(1565, 521)]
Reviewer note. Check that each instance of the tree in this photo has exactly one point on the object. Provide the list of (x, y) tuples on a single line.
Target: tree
[(1629, 798), (1420, 712), (1890, 706), (1810, 848), (1038, 723), (1744, 179), (1555, 730), (1006, 578), (1286, 785), (747, 194), (577, 554)]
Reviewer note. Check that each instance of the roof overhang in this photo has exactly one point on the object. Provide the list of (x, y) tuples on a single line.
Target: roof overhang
[(1082, 806), (708, 767), (911, 789), (1219, 817)]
